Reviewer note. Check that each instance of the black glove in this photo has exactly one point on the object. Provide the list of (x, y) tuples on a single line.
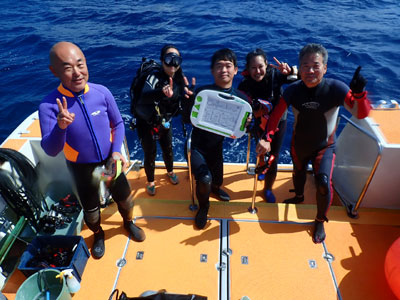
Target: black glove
[(358, 82)]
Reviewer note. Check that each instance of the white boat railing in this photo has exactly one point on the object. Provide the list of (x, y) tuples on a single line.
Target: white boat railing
[(358, 154)]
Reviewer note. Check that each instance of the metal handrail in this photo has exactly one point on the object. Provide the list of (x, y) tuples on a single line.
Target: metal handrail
[(253, 209), (248, 151), (193, 205), (127, 153)]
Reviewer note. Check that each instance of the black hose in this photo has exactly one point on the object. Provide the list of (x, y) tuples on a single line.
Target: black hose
[(19, 186)]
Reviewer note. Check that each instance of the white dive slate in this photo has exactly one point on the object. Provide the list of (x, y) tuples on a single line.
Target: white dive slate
[(221, 113)]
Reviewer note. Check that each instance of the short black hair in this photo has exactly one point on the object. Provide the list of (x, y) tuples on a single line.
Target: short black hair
[(224, 54), (313, 49)]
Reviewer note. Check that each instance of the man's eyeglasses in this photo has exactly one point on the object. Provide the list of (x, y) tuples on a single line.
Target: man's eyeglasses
[(172, 60)]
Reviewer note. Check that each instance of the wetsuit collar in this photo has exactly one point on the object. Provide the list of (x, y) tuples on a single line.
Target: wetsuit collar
[(315, 87), (66, 92), (228, 90)]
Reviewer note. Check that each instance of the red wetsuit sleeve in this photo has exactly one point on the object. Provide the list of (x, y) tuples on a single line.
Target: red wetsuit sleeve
[(274, 119), (362, 103)]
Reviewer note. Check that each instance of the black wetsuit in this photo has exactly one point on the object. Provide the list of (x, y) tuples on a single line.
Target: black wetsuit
[(270, 89), (150, 123), (207, 152), (315, 111)]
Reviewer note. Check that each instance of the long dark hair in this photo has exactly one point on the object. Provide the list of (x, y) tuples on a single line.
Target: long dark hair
[(255, 53)]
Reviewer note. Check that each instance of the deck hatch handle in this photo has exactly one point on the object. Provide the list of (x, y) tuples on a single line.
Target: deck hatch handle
[(244, 260), (139, 255), (121, 262), (227, 252), (312, 263), (203, 258), (328, 257), (221, 266)]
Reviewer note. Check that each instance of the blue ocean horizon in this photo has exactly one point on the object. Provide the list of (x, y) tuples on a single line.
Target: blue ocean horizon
[(115, 35)]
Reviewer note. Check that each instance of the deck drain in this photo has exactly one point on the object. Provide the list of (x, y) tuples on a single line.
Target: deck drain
[(245, 260), (312, 263), (203, 258), (139, 255)]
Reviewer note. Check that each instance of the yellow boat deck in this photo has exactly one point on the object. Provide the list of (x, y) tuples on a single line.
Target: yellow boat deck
[(267, 255)]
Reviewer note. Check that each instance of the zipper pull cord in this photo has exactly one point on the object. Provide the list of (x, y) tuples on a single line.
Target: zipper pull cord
[(95, 141)]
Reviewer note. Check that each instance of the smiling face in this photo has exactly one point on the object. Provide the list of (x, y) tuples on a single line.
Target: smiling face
[(257, 68), (68, 63), (223, 72), (312, 69)]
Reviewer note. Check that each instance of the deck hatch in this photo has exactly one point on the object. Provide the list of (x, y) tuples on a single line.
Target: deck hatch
[(203, 258), (285, 255)]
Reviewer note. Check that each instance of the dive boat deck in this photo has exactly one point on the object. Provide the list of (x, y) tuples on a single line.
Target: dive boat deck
[(266, 255), (272, 254)]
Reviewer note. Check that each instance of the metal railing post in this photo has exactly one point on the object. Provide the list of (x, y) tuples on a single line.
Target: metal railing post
[(253, 209), (193, 205)]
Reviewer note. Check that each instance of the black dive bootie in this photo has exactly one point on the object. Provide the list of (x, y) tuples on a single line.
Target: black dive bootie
[(201, 217), (136, 232), (294, 200), (220, 193), (98, 248)]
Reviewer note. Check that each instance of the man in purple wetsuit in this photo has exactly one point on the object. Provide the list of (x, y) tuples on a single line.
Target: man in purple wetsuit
[(315, 102), (82, 119)]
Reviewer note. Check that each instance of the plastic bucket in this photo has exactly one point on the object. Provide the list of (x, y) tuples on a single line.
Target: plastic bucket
[(43, 285)]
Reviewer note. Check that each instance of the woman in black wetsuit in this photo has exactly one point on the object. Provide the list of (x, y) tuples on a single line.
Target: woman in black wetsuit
[(163, 92), (262, 81)]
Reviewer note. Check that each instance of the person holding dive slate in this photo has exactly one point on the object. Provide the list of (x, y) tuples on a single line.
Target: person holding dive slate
[(263, 84), (163, 92), (315, 102), (206, 147)]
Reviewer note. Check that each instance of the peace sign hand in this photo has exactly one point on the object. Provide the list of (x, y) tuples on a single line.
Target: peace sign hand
[(168, 89), (189, 91), (64, 117), (283, 67)]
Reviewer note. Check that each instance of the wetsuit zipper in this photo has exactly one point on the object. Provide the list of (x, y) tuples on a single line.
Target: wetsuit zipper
[(89, 123)]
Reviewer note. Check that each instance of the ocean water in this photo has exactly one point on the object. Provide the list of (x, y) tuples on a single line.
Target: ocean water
[(115, 35)]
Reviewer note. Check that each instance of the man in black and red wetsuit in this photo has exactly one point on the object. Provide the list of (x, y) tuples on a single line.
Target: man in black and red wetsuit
[(315, 102)]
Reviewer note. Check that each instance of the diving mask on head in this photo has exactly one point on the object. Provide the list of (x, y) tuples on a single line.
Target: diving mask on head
[(172, 59)]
